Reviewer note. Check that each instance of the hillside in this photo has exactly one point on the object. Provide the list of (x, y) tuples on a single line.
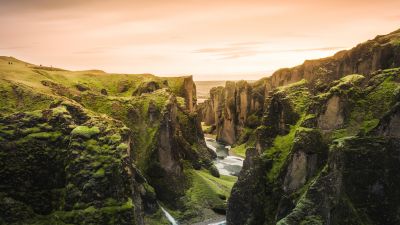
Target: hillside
[(321, 140), (89, 147)]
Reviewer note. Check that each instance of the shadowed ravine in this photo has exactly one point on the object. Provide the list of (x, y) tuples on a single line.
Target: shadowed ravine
[(226, 164), (321, 143)]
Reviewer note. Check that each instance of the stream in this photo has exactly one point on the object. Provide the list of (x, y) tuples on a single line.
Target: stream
[(169, 217), (226, 164)]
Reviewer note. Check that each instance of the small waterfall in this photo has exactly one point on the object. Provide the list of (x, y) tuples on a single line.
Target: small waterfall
[(169, 217), (218, 223)]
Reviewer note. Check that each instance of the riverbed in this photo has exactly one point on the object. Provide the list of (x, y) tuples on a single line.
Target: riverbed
[(226, 164)]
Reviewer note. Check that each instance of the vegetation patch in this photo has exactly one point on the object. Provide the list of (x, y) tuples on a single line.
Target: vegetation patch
[(239, 150), (84, 131)]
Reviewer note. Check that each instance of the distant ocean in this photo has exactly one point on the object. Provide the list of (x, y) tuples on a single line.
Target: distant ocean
[(203, 88)]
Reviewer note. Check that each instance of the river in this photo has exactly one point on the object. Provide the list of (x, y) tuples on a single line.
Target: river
[(227, 165)]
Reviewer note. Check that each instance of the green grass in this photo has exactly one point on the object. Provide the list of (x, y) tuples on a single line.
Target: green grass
[(368, 110), (239, 150), (31, 76), (206, 192), (299, 95), (279, 152)]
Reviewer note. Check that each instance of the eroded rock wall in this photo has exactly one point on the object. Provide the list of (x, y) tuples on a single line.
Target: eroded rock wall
[(327, 146), (379, 53)]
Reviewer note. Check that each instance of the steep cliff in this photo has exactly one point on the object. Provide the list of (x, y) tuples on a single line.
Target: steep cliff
[(89, 147), (323, 146), (232, 108), (241, 100)]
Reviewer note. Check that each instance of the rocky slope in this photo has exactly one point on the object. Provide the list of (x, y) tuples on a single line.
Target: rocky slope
[(323, 145), (231, 107), (89, 147)]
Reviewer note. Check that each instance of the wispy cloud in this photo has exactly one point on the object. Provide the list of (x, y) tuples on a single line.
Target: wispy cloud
[(234, 51), (14, 47), (95, 50)]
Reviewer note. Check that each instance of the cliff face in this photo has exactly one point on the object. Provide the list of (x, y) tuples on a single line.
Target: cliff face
[(322, 145), (90, 147), (379, 53), (229, 107), (70, 165)]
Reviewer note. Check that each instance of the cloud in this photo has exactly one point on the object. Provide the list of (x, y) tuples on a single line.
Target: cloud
[(234, 51), (14, 47), (95, 50)]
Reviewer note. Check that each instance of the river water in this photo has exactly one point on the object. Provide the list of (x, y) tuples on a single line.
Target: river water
[(226, 164)]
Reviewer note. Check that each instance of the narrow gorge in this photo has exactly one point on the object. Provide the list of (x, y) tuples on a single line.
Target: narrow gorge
[(321, 139), (316, 144), (88, 147)]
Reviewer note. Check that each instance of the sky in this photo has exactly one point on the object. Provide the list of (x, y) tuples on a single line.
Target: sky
[(209, 39)]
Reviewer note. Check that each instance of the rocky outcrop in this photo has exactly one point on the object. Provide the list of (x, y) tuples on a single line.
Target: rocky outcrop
[(189, 93), (105, 157), (146, 87), (332, 118), (356, 187), (379, 53), (327, 144), (67, 166), (307, 156), (390, 123), (173, 143), (229, 108)]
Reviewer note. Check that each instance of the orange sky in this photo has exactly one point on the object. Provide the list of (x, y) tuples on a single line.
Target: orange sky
[(211, 39)]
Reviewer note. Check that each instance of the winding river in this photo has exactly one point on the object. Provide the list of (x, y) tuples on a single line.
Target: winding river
[(226, 164)]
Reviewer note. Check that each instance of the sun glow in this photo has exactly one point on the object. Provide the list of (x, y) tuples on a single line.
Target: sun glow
[(209, 39)]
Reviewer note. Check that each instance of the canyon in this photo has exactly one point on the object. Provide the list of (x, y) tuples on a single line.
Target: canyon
[(88, 147), (320, 139), (318, 143)]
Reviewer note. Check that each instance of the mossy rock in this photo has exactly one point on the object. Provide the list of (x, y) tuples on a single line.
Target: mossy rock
[(86, 132)]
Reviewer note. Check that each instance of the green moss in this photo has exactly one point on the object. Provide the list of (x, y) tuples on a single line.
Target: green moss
[(340, 133), (6, 132), (115, 138), (253, 121), (369, 125), (239, 150), (84, 131), (395, 42), (45, 135), (108, 215), (206, 128), (298, 94), (206, 192), (279, 152), (122, 147), (30, 130), (59, 110), (99, 173), (312, 220), (353, 78), (368, 110)]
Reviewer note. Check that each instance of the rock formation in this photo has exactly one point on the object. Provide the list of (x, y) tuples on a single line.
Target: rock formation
[(323, 145), (98, 149), (248, 98)]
